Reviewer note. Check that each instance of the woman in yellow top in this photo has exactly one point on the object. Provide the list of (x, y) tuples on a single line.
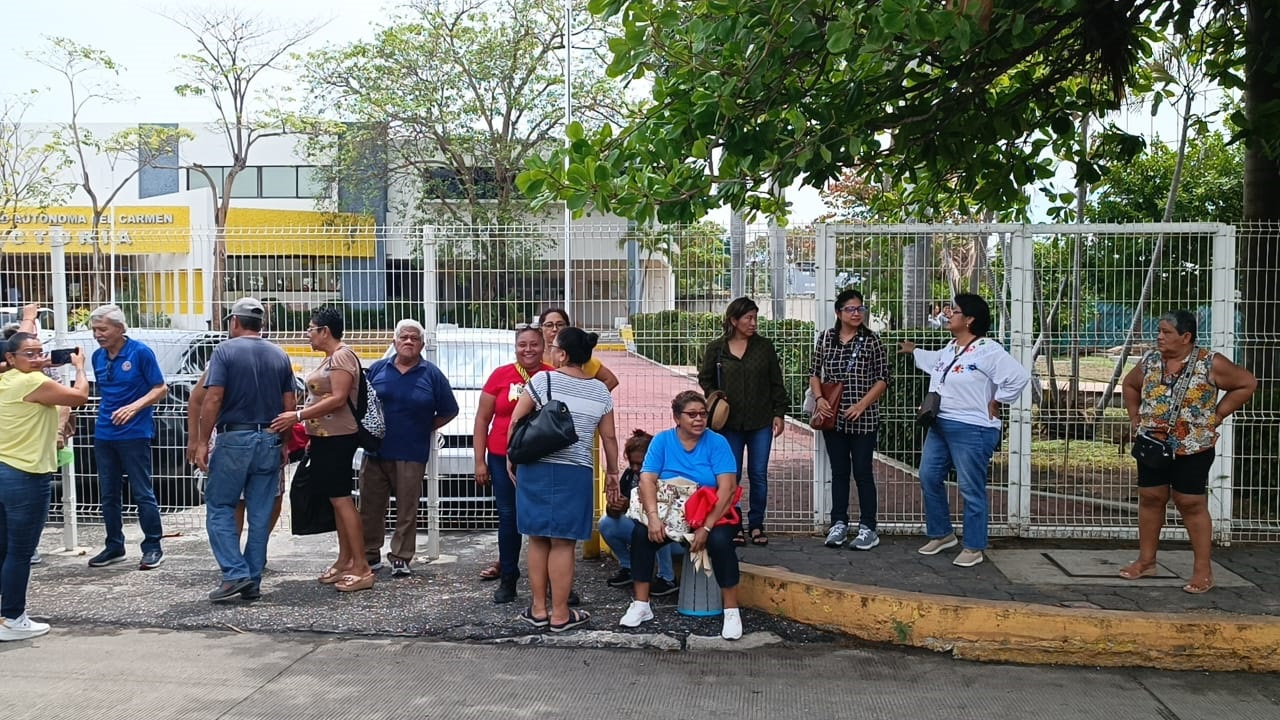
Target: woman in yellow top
[(555, 319), (29, 402)]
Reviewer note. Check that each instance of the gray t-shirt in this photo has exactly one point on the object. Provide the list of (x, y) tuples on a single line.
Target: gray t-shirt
[(253, 375)]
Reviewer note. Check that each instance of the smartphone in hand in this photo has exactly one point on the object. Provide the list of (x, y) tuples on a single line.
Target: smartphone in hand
[(62, 356)]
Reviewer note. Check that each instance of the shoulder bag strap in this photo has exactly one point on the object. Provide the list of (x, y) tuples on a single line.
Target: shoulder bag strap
[(953, 362)]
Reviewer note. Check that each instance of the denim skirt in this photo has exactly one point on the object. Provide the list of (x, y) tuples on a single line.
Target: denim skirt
[(554, 501)]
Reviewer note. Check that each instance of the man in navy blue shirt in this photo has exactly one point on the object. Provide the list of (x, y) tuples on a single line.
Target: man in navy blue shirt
[(129, 382), (416, 400)]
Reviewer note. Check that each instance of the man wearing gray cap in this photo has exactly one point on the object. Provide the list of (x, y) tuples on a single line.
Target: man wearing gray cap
[(248, 382)]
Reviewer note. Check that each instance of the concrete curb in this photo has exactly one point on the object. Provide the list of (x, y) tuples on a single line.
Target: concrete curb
[(996, 631)]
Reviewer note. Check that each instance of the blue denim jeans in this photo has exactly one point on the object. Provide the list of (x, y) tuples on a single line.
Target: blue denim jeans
[(24, 506), (968, 449), (244, 462), (504, 498), (757, 444), (617, 535), (851, 454), (116, 459)]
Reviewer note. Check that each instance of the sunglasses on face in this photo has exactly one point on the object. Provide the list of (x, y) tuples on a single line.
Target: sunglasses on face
[(694, 414)]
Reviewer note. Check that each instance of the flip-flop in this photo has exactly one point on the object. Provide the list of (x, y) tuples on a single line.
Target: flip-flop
[(1128, 573), (492, 572), (758, 537), (330, 576), (354, 583), (740, 538), (527, 616), (1198, 588), (576, 618)]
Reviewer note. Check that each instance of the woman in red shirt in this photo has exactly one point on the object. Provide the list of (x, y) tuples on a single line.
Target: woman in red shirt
[(493, 416)]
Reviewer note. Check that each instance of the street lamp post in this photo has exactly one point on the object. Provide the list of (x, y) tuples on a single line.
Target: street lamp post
[(568, 119)]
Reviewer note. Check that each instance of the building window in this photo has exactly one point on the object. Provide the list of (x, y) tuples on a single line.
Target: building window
[(266, 181), (279, 182)]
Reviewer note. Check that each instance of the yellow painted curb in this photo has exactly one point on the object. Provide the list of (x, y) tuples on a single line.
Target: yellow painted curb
[(999, 631)]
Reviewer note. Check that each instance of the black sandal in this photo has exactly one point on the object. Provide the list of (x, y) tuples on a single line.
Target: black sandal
[(758, 537), (576, 618), (740, 537)]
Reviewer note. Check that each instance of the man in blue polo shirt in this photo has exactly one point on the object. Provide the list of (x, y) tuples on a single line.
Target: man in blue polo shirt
[(129, 382), (416, 400)]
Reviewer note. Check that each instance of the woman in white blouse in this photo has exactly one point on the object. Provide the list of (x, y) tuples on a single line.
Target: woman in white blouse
[(973, 375)]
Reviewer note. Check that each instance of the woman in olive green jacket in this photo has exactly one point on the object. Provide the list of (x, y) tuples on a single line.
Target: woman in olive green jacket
[(745, 366)]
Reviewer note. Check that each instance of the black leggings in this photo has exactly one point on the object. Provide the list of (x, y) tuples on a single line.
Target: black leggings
[(724, 558)]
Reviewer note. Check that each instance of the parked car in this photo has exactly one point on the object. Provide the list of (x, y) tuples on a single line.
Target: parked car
[(467, 357), (182, 356)]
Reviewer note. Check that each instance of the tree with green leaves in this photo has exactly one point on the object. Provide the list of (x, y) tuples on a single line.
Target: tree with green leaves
[(89, 75), (31, 163), (972, 100), (235, 53), (447, 102)]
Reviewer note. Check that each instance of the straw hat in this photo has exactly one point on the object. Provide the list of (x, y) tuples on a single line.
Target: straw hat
[(717, 410)]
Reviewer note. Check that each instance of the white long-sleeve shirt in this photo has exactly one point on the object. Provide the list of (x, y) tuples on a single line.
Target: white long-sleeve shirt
[(983, 371)]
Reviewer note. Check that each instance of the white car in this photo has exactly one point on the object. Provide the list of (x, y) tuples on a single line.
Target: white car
[(44, 321), (467, 357)]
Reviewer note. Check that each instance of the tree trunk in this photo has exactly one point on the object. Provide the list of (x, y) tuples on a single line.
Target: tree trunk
[(1258, 257)]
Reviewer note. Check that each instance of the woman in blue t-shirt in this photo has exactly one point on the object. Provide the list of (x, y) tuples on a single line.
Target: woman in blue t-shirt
[(690, 451)]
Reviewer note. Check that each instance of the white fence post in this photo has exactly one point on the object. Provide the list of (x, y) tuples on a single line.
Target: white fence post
[(430, 319), (1222, 338), (58, 260), (1021, 338), (823, 297)]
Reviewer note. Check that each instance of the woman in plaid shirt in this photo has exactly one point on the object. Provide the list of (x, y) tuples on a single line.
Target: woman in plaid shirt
[(850, 353)]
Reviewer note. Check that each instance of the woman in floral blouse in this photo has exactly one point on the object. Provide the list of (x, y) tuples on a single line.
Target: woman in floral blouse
[(1173, 395)]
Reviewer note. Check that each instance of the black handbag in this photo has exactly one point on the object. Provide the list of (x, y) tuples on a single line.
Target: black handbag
[(927, 414), (545, 430), (1152, 452), (310, 511)]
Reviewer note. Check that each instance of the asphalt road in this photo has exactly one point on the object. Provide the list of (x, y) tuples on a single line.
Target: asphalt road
[(99, 673)]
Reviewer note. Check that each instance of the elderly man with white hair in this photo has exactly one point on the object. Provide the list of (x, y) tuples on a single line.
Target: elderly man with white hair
[(129, 383), (416, 400)]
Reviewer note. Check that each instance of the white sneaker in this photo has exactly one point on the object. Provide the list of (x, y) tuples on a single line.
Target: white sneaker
[(732, 629), (639, 612), (23, 628)]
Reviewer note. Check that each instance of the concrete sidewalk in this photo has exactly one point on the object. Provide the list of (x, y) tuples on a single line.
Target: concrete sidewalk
[(1031, 601), (798, 592)]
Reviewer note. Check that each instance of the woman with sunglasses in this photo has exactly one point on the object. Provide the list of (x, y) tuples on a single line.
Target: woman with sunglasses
[(554, 320), (498, 400), (690, 451), (974, 375), (331, 426), (746, 367), (850, 353), (29, 402)]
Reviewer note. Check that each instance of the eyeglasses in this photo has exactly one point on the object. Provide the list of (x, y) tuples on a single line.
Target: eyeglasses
[(554, 346), (314, 329), (853, 309), (32, 354), (555, 325), (694, 414)]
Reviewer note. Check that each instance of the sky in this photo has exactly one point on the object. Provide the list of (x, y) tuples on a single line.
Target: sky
[(137, 35)]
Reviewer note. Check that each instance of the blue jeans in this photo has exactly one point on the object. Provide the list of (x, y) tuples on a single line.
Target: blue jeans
[(617, 535), (851, 454), (504, 497), (117, 458), (24, 506), (968, 449), (757, 443), (244, 462)]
